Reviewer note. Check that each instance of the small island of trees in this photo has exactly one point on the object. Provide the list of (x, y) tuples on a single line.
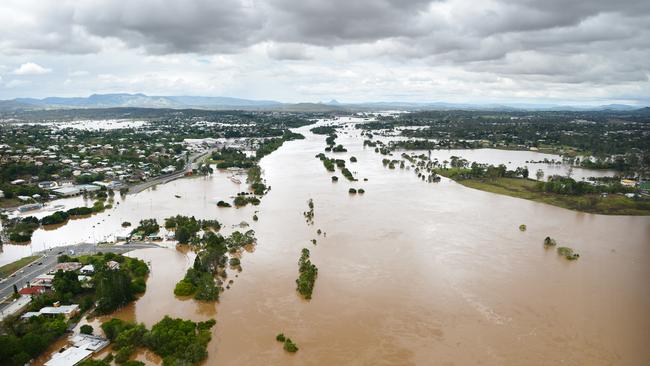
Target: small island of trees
[(307, 275)]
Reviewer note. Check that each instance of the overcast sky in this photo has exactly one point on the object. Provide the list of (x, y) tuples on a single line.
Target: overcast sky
[(546, 51)]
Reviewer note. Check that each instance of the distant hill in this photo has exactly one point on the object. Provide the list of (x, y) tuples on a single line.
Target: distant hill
[(124, 100), (143, 101)]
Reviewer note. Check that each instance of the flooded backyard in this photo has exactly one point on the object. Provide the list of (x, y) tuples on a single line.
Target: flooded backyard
[(409, 273)]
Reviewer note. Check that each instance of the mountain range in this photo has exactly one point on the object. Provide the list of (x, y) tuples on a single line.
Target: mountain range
[(222, 103)]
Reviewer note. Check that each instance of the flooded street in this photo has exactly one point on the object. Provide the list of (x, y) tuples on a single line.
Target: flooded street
[(409, 273)]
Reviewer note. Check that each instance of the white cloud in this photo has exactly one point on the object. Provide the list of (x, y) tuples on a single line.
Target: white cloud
[(31, 68)]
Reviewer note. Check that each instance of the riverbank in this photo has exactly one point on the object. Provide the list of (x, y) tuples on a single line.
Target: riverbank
[(613, 204)]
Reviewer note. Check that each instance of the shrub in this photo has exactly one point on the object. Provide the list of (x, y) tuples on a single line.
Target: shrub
[(549, 242), (289, 346), (184, 288), (86, 329), (307, 276), (568, 253), (280, 337)]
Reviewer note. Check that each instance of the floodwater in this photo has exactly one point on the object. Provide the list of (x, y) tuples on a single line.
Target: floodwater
[(410, 273)]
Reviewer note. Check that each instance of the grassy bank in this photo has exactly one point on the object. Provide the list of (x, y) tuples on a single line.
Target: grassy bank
[(614, 204), (10, 268)]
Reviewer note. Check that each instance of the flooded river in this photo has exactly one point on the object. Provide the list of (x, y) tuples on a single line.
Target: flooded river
[(410, 273)]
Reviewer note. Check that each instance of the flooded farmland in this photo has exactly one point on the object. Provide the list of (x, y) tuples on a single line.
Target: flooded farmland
[(410, 273)]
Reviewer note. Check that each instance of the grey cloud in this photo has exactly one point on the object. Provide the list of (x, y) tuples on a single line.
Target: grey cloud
[(202, 26), (338, 22), (287, 51)]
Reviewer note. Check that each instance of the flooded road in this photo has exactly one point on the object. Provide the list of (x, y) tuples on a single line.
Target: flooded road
[(410, 273)]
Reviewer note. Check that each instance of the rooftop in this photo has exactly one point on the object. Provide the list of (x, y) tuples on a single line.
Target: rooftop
[(63, 309), (70, 356)]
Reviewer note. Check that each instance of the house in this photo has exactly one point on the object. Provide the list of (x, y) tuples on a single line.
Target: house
[(46, 184), (43, 280), (29, 207), (2, 194), (112, 265), (66, 266), (90, 342), (66, 310), (67, 191), (88, 187), (88, 269), (32, 290)]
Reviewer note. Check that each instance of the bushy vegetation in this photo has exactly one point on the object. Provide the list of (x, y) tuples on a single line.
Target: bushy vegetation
[(348, 174), (568, 253), (287, 343), (20, 230), (323, 130), (22, 341), (176, 341), (242, 200), (309, 214), (254, 178), (549, 242), (307, 275), (115, 288), (58, 217), (232, 158), (187, 227), (147, 227)]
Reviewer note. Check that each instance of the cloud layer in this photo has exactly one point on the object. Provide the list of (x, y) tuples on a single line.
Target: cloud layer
[(459, 50)]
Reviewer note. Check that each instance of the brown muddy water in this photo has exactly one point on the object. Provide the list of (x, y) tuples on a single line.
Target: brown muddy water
[(410, 273)]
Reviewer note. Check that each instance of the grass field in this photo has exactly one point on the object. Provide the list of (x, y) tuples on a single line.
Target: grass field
[(10, 268), (614, 204)]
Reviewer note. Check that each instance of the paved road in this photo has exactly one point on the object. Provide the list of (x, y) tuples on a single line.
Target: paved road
[(49, 260), (137, 188)]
